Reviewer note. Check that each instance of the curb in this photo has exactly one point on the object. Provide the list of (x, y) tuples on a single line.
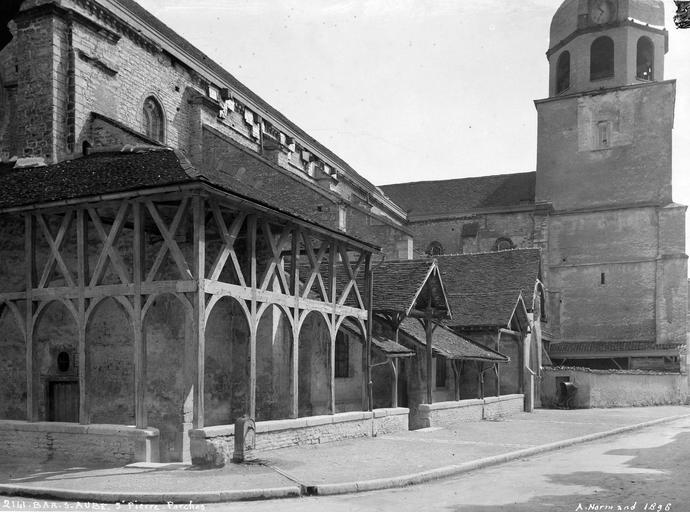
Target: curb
[(317, 489), (446, 471), (152, 497)]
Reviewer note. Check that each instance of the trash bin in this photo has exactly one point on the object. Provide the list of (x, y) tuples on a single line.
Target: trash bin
[(245, 430), (566, 395)]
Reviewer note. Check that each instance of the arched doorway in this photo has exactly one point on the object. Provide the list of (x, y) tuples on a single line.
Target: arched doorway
[(273, 365), (314, 383)]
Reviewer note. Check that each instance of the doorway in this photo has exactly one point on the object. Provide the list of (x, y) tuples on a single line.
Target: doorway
[(63, 401)]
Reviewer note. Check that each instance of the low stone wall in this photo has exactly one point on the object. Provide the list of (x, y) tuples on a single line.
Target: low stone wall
[(215, 445), (71, 441), (616, 388), (449, 414)]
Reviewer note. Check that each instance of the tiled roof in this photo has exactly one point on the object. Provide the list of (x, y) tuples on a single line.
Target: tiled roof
[(146, 167), (390, 347), (451, 345), (451, 196), (587, 347), (403, 285), (149, 19), (483, 288)]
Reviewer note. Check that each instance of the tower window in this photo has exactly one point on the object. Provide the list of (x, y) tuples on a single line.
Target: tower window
[(154, 125), (434, 249), (601, 58), (503, 244), (603, 134), (645, 59), (563, 72), (342, 355)]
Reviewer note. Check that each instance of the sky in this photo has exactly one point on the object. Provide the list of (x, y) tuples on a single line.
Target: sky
[(406, 90)]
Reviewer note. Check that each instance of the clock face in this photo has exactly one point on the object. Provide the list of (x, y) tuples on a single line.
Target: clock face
[(601, 11)]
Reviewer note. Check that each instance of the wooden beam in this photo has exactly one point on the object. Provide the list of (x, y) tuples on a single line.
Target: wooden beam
[(428, 329), (169, 243), (199, 305), (254, 326), (55, 245), (82, 262), (108, 251), (333, 299), (138, 258), (369, 299), (30, 261), (294, 282)]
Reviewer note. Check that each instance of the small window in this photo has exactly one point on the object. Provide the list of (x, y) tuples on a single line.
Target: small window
[(645, 59), (440, 372), (63, 361), (601, 58), (504, 244), (154, 125), (563, 72), (603, 134), (434, 249), (603, 278), (342, 356)]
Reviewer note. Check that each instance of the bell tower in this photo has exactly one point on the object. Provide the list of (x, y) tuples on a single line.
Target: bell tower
[(615, 261), (598, 44)]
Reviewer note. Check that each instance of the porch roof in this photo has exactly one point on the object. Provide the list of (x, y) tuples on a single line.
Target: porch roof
[(409, 287), (451, 345), (136, 170), (483, 288), (390, 347)]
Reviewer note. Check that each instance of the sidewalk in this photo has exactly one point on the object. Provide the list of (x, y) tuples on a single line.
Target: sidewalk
[(345, 466)]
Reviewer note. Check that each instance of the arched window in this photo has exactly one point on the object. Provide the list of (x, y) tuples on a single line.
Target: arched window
[(434, 249), (154, 125), (601, 58), (645, 59), (503, 244), (563, 72)]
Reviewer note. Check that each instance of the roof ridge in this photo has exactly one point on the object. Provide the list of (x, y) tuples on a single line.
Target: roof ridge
[(458, 179)]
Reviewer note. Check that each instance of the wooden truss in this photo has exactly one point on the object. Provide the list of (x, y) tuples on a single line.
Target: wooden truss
[(199, 246)]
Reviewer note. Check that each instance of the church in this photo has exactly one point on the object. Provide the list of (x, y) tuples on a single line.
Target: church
[(175, 253), (599, 205)]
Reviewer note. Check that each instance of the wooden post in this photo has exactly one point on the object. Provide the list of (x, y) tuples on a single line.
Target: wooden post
[(521, 361), (333, 298), (138, 257), (369, 301), (396, 370), (253, 328), (199, 303), (456, 378), (498, 369), (294, 282), (82, 272), (30, 257), (428, 328)]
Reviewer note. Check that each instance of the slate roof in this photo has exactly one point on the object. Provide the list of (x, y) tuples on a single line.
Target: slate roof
[(143, 168), (451, 196), (593, 347), (390, 347), (484, 288), (451, 345), (149, 19), (402, 285)]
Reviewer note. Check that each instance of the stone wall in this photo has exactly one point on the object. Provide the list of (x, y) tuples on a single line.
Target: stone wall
[(449, 414), (215, 445), (67, 441), (616, 388)]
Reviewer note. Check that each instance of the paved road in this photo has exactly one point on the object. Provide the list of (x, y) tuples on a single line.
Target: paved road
[(645, 470)]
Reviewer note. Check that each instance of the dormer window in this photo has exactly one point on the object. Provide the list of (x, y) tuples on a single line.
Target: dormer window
[(601, 58), (434, 249), (563, 72), (645, 59), (154, 124)]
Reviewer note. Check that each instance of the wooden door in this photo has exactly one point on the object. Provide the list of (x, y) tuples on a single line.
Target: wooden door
[(63, 401)]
